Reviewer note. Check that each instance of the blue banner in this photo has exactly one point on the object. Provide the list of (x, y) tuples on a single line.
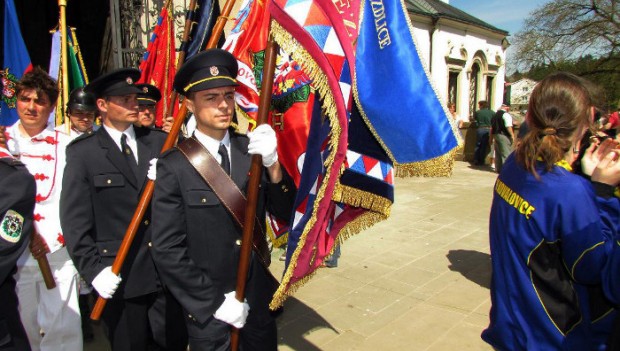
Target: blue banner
[(393, 88), (16, 61)]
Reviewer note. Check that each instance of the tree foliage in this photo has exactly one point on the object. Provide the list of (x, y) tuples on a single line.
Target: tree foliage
[(578, 36), (564, 30)]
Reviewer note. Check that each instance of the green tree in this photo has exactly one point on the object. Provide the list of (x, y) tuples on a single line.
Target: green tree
[(582, 37)]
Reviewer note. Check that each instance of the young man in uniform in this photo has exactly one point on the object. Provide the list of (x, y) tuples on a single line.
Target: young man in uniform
[(51, 316), (17, 193), (106, 173), (196, 240)]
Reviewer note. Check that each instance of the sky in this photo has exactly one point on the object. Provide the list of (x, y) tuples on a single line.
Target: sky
[(506, 15)]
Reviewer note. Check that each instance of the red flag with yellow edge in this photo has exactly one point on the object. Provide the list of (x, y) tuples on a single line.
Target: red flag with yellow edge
[(292, 97), (158, 65)]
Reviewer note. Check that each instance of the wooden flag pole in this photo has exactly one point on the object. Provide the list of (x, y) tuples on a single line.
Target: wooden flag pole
[(271, 53), (44, 266), (62, 4)]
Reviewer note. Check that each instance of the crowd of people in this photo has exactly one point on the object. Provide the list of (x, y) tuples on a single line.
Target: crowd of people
[(69, 194)]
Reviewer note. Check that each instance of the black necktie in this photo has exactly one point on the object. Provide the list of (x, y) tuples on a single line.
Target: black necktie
[(225, 160), (131, 160)]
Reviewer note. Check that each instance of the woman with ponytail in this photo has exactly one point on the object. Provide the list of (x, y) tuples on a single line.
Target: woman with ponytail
[(551, 231)]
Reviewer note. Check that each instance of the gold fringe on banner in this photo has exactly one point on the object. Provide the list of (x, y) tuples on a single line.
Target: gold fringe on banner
[(299, 54), (359, 198), (277, 242), (361, 223), (441, 166)]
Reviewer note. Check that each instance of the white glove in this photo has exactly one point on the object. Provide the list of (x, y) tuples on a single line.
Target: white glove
[(106, 283), (232, 311), (263, 142), (152, 173)]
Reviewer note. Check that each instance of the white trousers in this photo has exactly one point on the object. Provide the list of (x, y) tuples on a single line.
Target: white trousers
[(51, 317)]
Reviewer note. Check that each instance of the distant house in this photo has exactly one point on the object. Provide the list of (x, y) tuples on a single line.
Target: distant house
[(520, 92), (465, 55)]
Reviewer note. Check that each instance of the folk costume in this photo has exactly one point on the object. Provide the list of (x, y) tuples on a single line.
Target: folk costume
[(548, 245), (51, 317), (103, 188), (17, 201)]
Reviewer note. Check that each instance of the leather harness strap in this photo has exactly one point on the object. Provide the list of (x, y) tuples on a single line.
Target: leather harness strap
[(226, 190)]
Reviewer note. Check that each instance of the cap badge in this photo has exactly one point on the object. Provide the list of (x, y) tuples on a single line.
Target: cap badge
[(145, 89), (129, 80), (214, 71)]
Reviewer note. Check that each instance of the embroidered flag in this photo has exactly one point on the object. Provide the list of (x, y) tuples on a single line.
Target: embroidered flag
[(16, 63), (404, 111), (323, 37), (292, 96), (158, 63)]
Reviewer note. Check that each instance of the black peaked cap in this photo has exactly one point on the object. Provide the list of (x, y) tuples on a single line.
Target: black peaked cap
[(149, 94), (119, 82), (209, 69)]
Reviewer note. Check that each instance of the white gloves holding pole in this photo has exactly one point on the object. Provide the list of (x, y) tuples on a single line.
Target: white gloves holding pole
[(106, 283), (232, 311), (263, 142)]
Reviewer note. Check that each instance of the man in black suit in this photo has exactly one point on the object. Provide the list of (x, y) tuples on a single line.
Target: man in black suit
[(17, 195), (105, 174), (196, 240)]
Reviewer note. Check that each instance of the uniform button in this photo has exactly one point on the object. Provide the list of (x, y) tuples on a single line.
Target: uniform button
[(109, 181), (203, 200), (146, 222), (238, 242), (105, 250), (150, 244), (284, 188)]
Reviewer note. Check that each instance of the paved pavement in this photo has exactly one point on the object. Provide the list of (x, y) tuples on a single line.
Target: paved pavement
[(417, 281)]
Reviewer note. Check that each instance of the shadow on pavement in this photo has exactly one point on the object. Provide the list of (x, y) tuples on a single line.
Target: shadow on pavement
[(473, 265), (296, 322)]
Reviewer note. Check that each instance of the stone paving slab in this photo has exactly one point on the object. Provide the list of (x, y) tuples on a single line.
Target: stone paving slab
[(417, 281)]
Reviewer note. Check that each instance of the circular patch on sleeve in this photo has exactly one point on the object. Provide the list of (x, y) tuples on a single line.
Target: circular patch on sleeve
[(11, 226)]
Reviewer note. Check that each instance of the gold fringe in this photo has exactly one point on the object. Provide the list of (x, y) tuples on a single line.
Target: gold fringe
[(277, 242), (356, 226), (441, 166), (359, 198), (297, 52), (361, 223)]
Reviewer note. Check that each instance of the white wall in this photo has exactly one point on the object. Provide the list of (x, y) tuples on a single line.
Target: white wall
[(462, 42)]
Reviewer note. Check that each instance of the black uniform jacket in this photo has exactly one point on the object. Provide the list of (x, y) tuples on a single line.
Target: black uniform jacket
[(17, 195), (98, 199), (196, 241)]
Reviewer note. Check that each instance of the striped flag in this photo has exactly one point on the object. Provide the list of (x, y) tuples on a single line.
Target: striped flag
[(158, 65)]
